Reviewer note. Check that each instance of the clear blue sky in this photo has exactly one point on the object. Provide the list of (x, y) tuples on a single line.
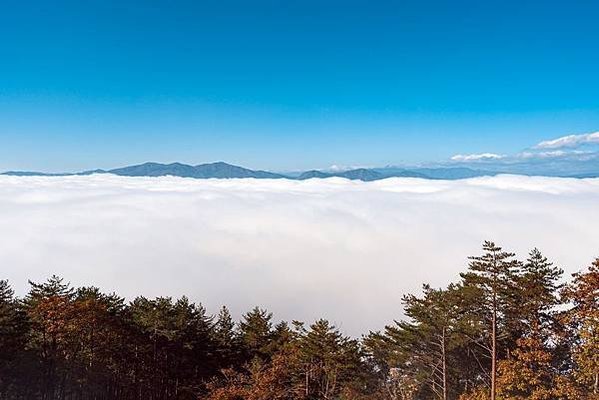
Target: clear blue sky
[(287, 85)]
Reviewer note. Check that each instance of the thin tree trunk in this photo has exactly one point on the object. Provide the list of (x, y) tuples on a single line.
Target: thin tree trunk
[(444, 365), (307, 381), (494, 346)]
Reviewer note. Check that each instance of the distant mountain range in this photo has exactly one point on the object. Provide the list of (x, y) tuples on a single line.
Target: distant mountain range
[(222, 170), (203, 171)]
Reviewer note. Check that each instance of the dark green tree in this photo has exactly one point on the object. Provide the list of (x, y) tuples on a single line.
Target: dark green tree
[(331, 361), (424, 350), (255, 334), (228, 347), (13, 339), (178, 350)]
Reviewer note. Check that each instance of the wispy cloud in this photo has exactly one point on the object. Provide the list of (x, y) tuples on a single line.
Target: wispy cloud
[(569, 141), (477, 157), (571, 155), (556, 154), (333, 248)]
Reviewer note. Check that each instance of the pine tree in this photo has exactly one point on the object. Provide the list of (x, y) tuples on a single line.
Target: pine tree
[(423, 347), (435, 328), (538, 286), (53, 287), (99, 340), (224, 328), (330, 360), (255, 333), (227, 345), (530, 373), (282, 336), (13, 330), (9, 337), (493, 275), (50, 309), (178, 351)]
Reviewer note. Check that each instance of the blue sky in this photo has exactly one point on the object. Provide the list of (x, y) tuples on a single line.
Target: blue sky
[(287, 85)]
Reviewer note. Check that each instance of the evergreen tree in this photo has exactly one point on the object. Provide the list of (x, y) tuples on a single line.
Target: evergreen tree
[(330, 360), (530, 373), (50, 310), (538, 286), (282, 336), (13, 330), (493, 274), (423, 348), (224, 328), (228, 350), (53, 287), (178, 351), (255, 333)]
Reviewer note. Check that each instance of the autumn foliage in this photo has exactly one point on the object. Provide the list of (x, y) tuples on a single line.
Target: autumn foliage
[(508, 329)]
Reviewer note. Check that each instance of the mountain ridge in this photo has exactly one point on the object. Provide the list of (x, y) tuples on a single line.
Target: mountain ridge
[(223, 170)]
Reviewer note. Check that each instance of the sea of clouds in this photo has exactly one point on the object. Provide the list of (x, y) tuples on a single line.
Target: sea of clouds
[(344, 250)]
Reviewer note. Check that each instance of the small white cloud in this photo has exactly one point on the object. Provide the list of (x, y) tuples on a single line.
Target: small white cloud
[(573, 154), (477, 157), (342, 168), (569, 141), (542, 154), (336, 168)]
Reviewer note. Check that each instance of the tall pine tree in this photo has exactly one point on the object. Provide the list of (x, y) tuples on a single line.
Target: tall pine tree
[(255, 333), (493, 274)]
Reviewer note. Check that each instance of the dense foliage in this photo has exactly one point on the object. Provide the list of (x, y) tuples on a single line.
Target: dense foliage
[(507, 329)]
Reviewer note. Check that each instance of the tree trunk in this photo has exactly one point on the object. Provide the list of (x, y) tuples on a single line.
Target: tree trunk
[(444, 359), (494, 346), (307, 383)]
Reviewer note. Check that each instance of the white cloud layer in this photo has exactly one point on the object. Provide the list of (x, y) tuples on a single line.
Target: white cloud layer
[(339, 249), (570, 141), (477, 157)]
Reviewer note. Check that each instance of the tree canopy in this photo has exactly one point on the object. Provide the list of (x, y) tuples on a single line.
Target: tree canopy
[(507, 329)]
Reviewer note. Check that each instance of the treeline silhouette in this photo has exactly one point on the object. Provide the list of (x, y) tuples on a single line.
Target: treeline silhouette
[(507, 329)]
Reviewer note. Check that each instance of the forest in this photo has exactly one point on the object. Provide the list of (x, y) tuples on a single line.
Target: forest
[(507, 328)]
